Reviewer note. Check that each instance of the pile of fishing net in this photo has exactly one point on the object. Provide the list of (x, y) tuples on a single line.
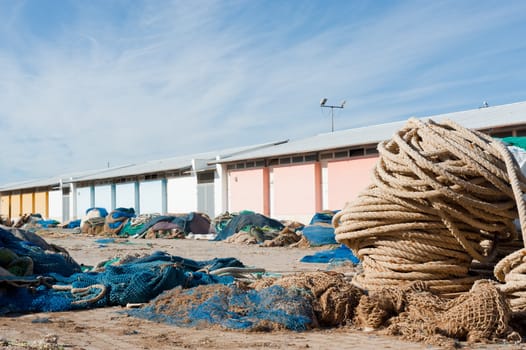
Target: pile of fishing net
[(288, 237), (267, 236), (436, 234), (117, 219), (32, 221), (321, 299), (298, 302), (36, 276), (135, 281), (319, 231), (415, 313), (260, 226), (23, 253), (251, 228), (93, 222), (167, 226)]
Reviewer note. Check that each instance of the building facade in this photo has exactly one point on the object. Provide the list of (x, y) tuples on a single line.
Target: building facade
[(287, 179), (293, 180)]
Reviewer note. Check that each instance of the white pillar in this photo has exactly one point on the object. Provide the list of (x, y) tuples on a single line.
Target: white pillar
[(113, 194), (137, 197), (73, 201), (92, 196), (221, 189), (164, 196)]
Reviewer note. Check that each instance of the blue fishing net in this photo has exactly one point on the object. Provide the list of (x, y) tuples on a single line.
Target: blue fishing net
[(319, 235), (323, 217), (43, 262), (73, 224), (48, 223), (138, 281), (339, 254), (320, 231), (117, 219), (102, 211), (229, 307), (122, 213)]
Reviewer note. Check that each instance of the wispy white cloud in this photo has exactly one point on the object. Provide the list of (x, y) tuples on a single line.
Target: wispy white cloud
[(125, 82)]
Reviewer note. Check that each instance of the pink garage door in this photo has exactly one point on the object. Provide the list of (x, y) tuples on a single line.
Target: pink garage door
[(296, 191), (347, 178), (247, 190)]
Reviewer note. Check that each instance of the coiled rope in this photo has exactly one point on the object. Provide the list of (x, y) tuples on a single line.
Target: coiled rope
[(86, 293), (441, 196)]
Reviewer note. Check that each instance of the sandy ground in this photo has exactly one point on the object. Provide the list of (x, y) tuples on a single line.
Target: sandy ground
[(107, 328)]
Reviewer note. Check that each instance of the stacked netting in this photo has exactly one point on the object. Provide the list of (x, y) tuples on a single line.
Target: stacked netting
[(56, 283)]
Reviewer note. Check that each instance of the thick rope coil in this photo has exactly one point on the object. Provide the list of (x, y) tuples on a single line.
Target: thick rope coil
[(512, 271), (441, 197)]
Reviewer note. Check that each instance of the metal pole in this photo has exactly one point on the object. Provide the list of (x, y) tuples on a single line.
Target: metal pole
[(332, 111), (332, 119)]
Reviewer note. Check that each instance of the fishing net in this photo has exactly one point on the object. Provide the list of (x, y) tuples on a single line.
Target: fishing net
[(296, 302), (137, 281), (228, 224), (117, 219), (417, 314), (334, 297), (34, 256), (267, 236), (285, 238), (93, 226), (320, 231), (341, 253), (318, 235), (230, 307), (242, 237)]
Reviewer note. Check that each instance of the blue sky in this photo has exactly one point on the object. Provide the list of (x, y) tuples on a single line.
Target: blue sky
[(84, 83)]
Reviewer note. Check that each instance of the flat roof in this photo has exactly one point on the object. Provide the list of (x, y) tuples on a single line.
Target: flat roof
[(481, 118), (198, 162)]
